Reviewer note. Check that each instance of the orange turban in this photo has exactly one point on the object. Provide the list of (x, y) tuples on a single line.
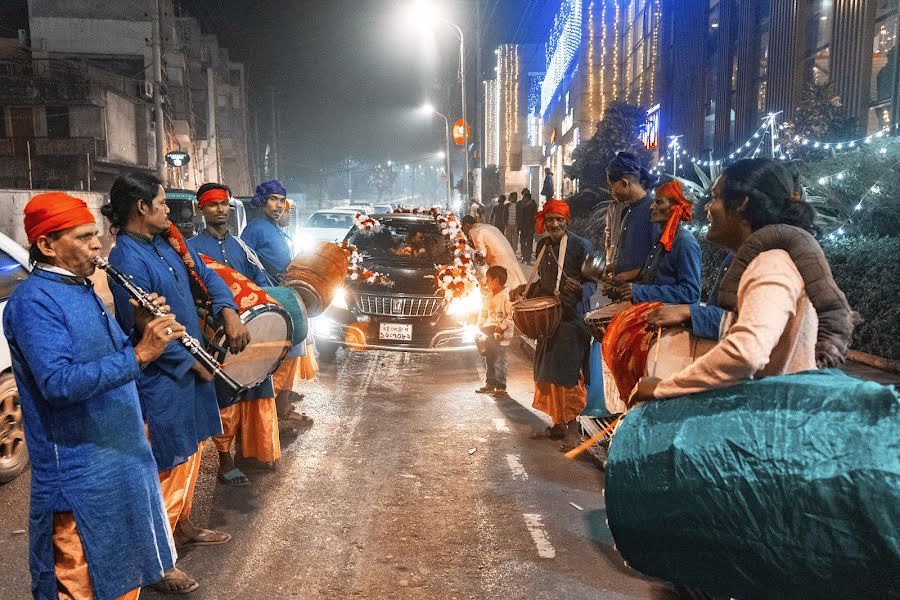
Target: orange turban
[(212, 196), (54, 211), (557, 207), (681, 211)]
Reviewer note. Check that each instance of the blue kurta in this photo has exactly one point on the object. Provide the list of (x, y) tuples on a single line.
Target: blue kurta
[(637, 237), (562, 357), (270, 243), (76, 373), (706, 319), (677, 278), (180, 410), (229, 252)]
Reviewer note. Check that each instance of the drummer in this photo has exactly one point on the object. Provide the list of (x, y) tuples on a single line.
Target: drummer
[(630, 234), (671, 273), (177, 394), (561, 361), (254, 417)]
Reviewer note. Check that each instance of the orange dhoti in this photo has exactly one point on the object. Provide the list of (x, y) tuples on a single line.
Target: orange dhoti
[(561, 403), (178, 485), (70, 563), (257, 422)]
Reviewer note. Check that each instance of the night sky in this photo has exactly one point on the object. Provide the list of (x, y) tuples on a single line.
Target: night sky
[(349, 74)]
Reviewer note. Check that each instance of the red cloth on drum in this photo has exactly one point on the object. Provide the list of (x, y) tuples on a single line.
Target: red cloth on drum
[(198, 288), (626, 344), (246, 293), (561, 403), (257, 422)]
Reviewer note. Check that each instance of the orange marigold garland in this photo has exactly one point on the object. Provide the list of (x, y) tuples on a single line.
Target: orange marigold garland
[(356, 270)]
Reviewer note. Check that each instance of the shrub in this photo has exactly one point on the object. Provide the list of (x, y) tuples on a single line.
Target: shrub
[(862, 268)]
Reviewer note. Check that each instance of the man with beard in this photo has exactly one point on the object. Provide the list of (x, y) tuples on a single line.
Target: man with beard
[(254, 416), (561, 361)]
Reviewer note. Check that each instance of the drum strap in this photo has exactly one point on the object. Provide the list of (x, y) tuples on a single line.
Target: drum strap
[(559, 263), (253, 258)]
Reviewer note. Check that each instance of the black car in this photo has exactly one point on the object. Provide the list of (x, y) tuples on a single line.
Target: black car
[(410, 315)]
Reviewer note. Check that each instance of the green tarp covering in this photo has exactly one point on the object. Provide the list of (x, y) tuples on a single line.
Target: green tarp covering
[(784, 487)]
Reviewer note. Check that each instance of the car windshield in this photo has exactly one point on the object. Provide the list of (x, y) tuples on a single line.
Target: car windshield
[(404, 240), (331, 220)]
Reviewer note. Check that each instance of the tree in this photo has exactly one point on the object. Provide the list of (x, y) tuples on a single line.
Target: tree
[(382, 180), (620, 129), (820, 116), (490, 183)]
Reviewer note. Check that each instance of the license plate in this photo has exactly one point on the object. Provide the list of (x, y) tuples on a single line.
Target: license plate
[(399, 332)]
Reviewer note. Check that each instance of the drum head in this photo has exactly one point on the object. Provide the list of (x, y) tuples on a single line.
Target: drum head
[(270, 340)]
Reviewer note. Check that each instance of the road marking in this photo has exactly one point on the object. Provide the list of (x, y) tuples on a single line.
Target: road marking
[(515, 465), (539, 535), (501, 425)]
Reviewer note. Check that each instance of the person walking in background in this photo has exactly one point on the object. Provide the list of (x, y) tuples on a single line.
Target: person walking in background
[(527, 214), (498, 219), (496, 325), (476, 209), (547, 187), (510, 221)]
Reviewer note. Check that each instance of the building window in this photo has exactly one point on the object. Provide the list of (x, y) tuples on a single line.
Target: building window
[(175, 75), (818, 42), (57, 122), (884, 71)]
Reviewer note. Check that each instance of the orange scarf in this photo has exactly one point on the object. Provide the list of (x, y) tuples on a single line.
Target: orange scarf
[(681, 211)]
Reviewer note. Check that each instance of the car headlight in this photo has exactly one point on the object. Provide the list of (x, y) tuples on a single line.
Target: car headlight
[(304, 244), (322, 326), (340, 299), (465, 306)]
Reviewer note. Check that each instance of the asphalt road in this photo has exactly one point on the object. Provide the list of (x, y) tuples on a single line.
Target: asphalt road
[(408, 485)]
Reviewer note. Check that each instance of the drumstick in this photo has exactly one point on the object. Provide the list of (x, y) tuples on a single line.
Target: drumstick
[(656, 354), (588, 443)]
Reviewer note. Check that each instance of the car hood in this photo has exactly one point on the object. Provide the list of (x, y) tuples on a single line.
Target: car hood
[(413, 278)]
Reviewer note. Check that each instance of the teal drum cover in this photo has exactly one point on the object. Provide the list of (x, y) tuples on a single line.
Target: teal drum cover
[(783, 487)]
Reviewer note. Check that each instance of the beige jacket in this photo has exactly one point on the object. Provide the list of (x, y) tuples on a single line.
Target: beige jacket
[(774, 332), (497, 311)]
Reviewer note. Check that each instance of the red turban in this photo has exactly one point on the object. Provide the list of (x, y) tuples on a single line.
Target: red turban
[(557, 207), (681, 211), (54, 211), (212, 196)]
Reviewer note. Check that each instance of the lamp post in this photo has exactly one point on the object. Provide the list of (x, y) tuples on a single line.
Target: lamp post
[(429, 109), (422, 11)]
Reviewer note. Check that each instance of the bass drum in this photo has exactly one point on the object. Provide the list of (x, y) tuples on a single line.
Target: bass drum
[(271, 336), (537, 318)]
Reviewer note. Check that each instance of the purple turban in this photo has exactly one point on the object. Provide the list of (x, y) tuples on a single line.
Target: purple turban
[(626, 163), (266, 189)]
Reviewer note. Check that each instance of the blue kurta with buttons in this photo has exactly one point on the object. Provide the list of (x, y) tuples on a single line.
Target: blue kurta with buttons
[(76, 373), (637, 237), (270, 244), (677, 278), (230, 253), (180, 409)]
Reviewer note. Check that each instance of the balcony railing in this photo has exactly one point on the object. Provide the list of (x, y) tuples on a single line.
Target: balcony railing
[(42, 146)]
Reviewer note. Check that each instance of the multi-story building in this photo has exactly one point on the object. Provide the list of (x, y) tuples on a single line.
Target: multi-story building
[(108, 126)]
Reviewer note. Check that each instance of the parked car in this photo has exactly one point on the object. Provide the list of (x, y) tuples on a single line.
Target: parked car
[(411, 315), (384, 208), (366, 209), (330, 225), (14, 269)]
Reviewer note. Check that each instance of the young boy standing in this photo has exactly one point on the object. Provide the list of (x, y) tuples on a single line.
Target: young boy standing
[(496, 324)]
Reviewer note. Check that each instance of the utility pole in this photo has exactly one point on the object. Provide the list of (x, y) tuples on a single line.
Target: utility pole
[(479, 88), (274, 135), (349, 178), (160, 120), (211, 134)]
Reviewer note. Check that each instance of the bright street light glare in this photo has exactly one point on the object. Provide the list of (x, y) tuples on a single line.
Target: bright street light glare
[(420, 12), (427, 108), (441, 154)]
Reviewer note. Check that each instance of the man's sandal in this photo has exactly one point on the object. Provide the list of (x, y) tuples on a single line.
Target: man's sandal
[(234, 478), (176, 581), (207, 537)]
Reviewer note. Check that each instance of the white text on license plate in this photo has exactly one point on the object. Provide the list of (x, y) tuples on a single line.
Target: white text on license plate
[(395, 331)]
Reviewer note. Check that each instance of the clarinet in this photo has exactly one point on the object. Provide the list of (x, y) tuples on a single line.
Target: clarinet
[(232, 387)]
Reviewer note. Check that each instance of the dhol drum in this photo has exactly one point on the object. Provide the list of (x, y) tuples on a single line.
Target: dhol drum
[(537, 318), (316, 275), (270, 325), (290, 301), (598, 320)]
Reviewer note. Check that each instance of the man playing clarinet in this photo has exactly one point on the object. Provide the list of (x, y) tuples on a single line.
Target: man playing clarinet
[(97, 524), (177, 394)]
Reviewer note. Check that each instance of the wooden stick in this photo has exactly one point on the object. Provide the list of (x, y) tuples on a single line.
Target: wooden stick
[(656, 354), (588, 443)]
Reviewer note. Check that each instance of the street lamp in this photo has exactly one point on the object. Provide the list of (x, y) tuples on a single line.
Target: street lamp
[(429, 109), (421, 11)]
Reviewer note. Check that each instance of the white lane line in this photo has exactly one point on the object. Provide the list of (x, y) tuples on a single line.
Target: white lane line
[(539, 535), (501, 425), (515, 465)]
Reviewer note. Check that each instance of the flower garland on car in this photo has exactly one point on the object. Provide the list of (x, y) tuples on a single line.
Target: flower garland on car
[(459, 278), (365, 222), (355, 269)]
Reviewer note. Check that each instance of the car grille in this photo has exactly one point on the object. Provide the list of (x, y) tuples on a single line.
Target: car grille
[(398, 306)]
